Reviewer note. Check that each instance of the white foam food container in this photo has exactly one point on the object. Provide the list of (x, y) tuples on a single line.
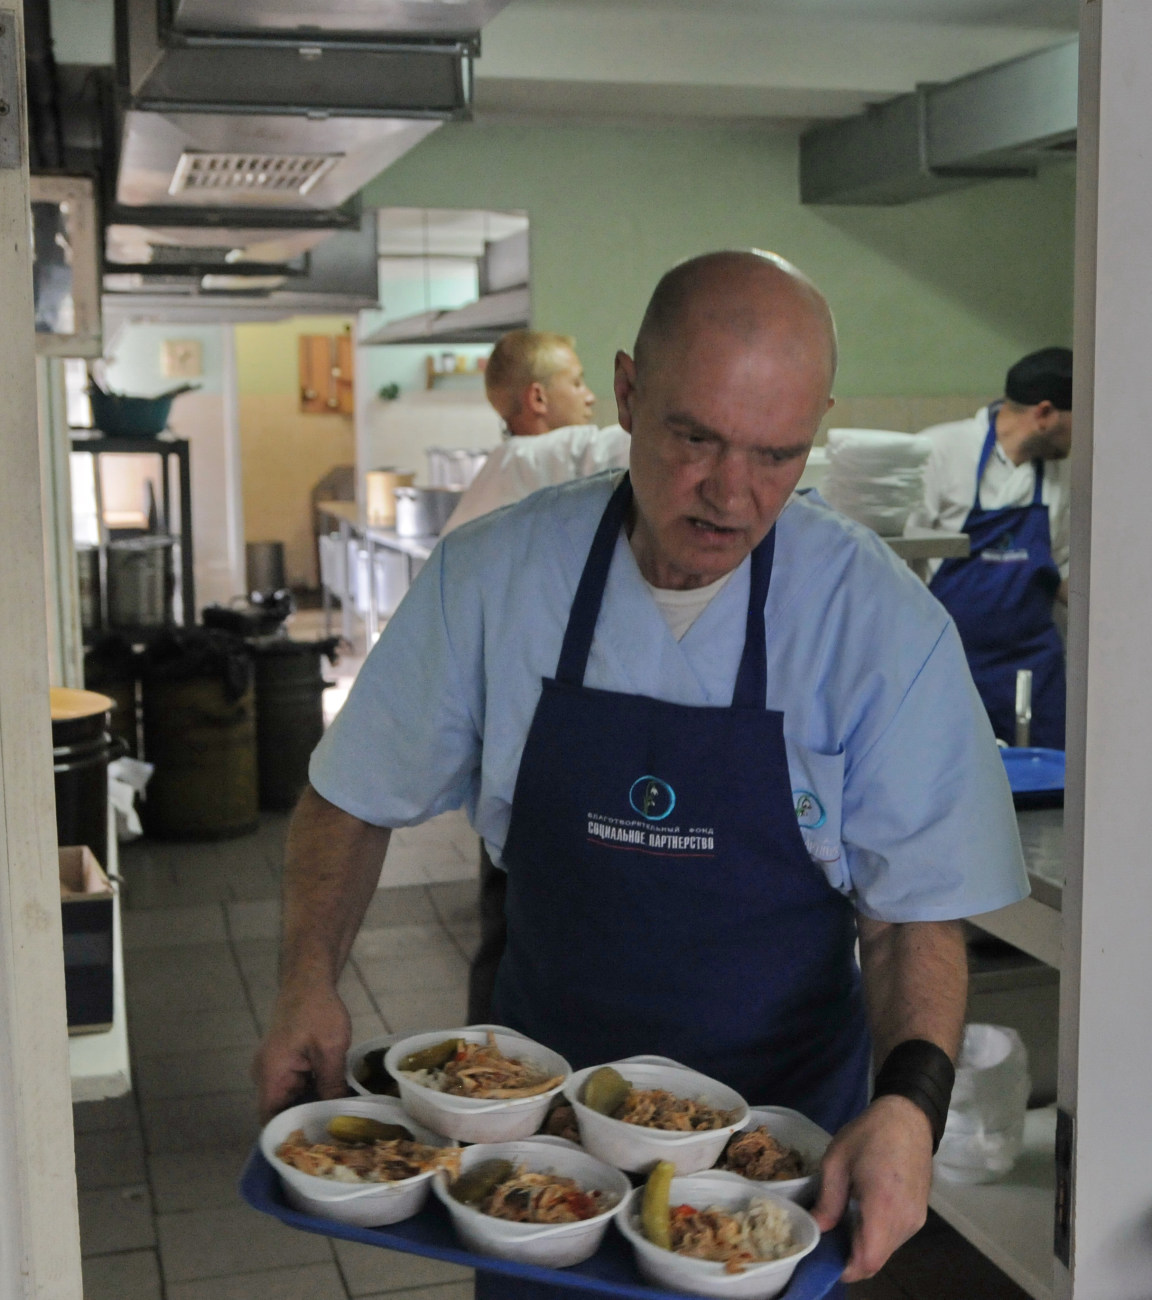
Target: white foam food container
[(705, 1277), (356, 1054), (552, 1245), (794, 1130), (367, 1205), (477, 1119), (637, 1149)]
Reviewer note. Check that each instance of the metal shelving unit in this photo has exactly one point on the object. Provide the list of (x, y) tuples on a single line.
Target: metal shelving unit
[(168, 447)]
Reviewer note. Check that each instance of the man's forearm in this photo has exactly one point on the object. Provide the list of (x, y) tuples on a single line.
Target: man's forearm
[(915, 982), (332, 867)]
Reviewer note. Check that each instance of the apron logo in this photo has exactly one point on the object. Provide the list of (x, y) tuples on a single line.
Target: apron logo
[(652, 798), (1005, 551), (809, 810)]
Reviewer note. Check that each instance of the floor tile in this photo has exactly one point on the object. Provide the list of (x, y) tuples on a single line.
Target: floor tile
[(227, 1121), (433, 1009), (467, 939), (456, 902), (404, 905), (877, 1288), (439, 967), (225, 1242), (211, 980), (196, 1180), (254, 882), (131, 1275), (312, 1282), (444, 868), (191, 1074), (405, 942), (401, 871), (153, 1035), (116, 1219), (173, 926), (447, 1291), (369, 1270), (150, 888), (366, 1027), (110, 1159), (105, 1116), (254, 919), (258, 959), (940, 1264)]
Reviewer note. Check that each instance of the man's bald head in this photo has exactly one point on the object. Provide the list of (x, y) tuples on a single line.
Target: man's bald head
[(752, 298)]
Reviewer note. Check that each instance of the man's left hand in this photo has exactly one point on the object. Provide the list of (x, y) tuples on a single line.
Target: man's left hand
[(882, 1159)]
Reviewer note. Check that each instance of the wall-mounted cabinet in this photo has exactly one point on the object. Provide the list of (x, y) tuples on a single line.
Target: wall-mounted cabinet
[(326, 374)]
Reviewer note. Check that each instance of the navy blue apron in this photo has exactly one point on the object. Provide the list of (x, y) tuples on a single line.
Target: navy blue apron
[(660, 896), (1001, 597)]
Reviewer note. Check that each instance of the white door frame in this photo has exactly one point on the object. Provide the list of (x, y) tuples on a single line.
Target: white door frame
[(39, 1233), (1106, 990)]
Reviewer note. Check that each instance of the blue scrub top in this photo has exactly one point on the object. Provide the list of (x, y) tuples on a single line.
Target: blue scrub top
[(899, 790)]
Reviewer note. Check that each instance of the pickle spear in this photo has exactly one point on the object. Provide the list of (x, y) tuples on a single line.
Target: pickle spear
[(431, 1058), (357, 1128), (655, 1206), (605, 1090), (476, 1183)]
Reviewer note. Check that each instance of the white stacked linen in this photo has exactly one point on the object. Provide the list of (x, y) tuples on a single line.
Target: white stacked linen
[(876, 476)]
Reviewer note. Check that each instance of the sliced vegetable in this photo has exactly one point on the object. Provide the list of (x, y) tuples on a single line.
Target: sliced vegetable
[(432, 1058), (606, 1090), (358, 1128), (476, 1183), (655, 1212)]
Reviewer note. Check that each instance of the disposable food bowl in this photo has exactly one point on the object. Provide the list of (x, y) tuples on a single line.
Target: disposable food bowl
[(705, 1277), (802, 1134), (355, 1058), (636, 1149), (552, 1245), (367, 1205), (477, 1119)]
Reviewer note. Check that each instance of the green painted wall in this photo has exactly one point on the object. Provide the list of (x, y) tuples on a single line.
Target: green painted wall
[(932, 298), (268, 354)]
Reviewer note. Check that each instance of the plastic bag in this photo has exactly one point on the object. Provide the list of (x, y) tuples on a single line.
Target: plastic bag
[(985, 1130), (875, 476)]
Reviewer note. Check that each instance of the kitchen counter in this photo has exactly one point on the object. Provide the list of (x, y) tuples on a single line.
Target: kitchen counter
[(1034, 924)]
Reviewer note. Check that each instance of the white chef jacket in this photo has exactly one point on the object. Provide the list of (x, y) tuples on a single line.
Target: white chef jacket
[(950, 483), (901, 796), (524, 465)]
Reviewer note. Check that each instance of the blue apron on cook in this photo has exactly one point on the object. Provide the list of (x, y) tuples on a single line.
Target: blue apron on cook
[(1001, 597), (660, 896)]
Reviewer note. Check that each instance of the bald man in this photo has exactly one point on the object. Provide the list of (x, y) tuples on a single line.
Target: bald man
[(535, 383), (715, 733)]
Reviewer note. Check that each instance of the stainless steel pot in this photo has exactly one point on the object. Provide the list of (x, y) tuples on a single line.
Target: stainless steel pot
[(422, 512), (141, 579)]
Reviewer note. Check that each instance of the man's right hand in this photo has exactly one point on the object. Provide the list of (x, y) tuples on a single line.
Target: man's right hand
[(303, 1050)]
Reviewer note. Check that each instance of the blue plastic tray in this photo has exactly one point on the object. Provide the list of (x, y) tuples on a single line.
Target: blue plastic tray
[(609, 1272), (1035, 775)]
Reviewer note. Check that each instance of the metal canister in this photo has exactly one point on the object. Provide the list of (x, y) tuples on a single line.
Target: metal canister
[(141, 579), (88, 580)]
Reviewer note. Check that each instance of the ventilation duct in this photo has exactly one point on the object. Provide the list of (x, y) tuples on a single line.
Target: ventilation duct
[(1006, 120), (259, 56)]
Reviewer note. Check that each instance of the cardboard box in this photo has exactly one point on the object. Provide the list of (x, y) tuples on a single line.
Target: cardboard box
[(86, 909)]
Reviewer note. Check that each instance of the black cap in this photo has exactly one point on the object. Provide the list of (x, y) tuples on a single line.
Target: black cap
[(1044, 376)]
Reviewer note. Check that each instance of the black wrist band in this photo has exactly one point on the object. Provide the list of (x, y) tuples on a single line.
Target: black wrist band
[(924, 1074)]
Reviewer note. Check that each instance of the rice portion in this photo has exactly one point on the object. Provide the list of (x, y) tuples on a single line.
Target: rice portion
[(760, 1232)]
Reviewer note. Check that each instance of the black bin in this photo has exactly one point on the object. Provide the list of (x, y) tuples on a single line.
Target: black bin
[(82, 748), (289, 714)]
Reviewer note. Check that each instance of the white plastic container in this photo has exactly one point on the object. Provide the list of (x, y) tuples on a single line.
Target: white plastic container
[(553, 1245), (367, 1205), (637, 1149), (985, 1130), (705, 1277), (477, 1119), (802, 1134), (356, 1054)]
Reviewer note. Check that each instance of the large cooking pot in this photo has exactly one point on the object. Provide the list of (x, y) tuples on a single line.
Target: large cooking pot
[(141, 581), (422, 512), (81, 751)]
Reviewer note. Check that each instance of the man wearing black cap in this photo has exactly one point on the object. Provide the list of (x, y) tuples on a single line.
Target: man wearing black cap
[(1002, 478)]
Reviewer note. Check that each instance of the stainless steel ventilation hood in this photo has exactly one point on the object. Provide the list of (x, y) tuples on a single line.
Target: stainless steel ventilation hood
[(187, 162), (259, 56), (186, 283), (482, 321), (1006, 120)]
